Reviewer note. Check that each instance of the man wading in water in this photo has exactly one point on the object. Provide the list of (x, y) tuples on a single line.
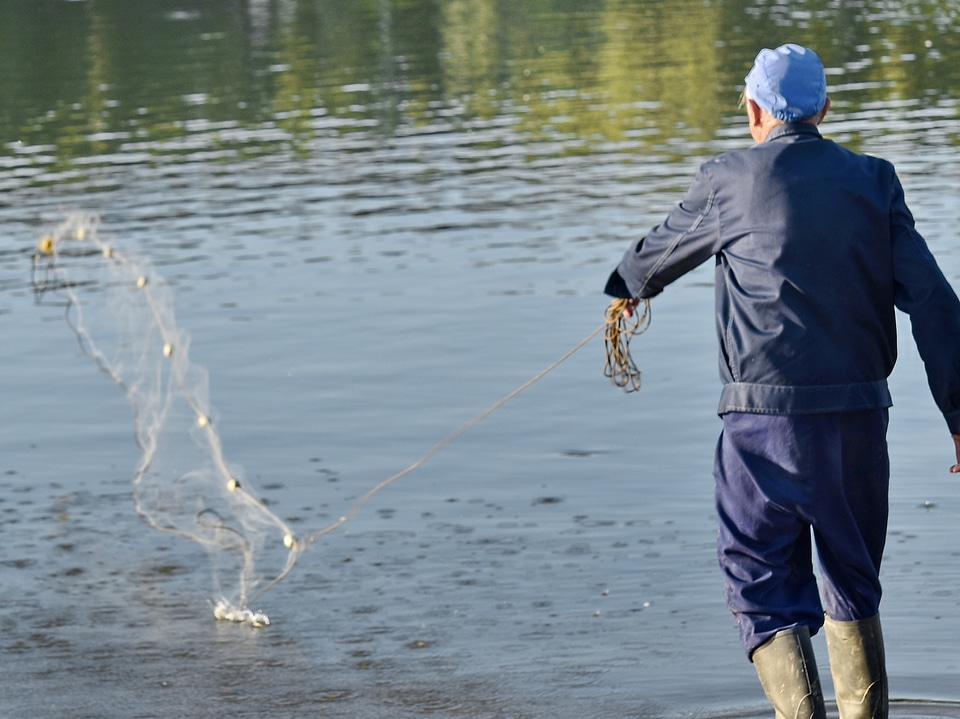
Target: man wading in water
[(814, 248)]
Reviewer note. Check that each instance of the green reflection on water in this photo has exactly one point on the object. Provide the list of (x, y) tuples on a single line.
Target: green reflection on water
[(102, 77)]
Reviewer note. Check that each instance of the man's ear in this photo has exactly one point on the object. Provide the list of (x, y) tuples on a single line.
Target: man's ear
[(754, 116), (761, 122)]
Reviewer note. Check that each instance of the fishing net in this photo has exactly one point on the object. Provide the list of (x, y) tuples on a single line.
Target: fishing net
[(122, 313)]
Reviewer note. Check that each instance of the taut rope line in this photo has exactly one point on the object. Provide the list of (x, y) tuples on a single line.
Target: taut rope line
[(617, 329), (309, 539)]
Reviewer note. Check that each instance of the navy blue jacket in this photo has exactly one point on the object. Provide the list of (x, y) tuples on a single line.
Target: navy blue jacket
[(814, 248)]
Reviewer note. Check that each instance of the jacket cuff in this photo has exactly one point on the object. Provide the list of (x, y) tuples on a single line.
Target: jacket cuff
[(616, 287)]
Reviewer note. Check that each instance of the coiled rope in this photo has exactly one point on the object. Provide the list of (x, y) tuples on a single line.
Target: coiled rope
[(620, 329)]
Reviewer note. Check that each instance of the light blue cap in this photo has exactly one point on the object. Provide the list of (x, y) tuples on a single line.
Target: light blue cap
[(788, 82)]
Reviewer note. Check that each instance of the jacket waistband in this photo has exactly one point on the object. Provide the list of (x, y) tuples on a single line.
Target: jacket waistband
[(780, 399)]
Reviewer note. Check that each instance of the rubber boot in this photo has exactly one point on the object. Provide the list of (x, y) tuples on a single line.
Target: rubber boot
[(858, 666), (788, 672)]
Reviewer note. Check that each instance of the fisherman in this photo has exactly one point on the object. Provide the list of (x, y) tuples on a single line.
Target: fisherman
[(814, 248)]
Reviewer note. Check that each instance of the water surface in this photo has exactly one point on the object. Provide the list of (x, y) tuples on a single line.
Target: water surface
[(376, 220)]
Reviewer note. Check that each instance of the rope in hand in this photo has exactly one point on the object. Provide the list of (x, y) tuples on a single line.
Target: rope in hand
[(620, 329)]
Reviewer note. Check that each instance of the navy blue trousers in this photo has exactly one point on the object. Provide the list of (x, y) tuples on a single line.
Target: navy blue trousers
[(777, 478)]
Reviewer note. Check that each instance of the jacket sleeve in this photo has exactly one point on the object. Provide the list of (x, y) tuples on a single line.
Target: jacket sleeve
[(685, 240), (922, 291)]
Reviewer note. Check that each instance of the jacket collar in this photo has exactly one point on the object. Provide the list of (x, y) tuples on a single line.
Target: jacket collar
[(788, 129)]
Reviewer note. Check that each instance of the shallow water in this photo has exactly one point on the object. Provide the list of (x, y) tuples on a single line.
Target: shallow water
[(368, 249)]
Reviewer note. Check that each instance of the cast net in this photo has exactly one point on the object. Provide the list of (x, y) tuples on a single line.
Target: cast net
[(122, 313)]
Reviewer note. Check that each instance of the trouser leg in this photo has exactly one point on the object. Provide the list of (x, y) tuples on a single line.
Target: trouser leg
[(764, 546), (788, 672), (858, 666), (850, 523), (776, 477), (850, 553)]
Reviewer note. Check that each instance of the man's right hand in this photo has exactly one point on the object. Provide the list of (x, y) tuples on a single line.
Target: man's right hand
[(956, 441)]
